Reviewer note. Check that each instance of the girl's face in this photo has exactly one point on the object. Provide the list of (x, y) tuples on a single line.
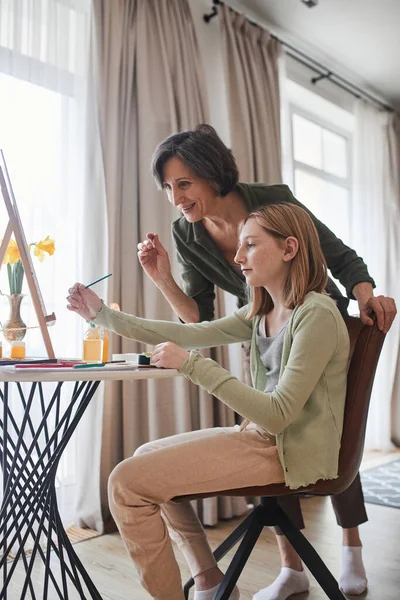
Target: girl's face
[(193, 196), (264, 259)]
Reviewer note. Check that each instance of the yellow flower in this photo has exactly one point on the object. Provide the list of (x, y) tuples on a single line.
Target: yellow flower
[(12, 254), (12, 259), (47, 245)]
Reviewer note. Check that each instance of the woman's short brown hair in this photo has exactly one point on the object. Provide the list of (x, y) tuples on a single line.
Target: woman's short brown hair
[(203, 151), (308, 269)]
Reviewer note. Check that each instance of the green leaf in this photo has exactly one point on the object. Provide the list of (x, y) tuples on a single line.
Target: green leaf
[(14, 280), (10, 277), (18, 276)]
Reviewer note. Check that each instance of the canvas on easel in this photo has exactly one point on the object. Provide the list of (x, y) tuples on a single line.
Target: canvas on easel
[(15, 227)]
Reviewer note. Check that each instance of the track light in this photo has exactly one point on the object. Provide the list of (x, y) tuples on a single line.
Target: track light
[(310, 3)]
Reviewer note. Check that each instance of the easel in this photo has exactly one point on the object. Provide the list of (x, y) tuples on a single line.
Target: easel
[(15, 227)]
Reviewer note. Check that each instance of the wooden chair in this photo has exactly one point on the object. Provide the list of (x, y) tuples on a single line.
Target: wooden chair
[(365, 347)]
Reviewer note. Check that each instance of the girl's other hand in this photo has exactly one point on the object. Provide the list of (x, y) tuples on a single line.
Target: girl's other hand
[(169, 356)]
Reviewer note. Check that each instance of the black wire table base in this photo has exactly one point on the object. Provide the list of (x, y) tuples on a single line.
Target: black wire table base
[(34, 431)]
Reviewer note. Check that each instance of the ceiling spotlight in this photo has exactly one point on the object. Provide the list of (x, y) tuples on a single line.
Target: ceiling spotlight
[(310, 3)]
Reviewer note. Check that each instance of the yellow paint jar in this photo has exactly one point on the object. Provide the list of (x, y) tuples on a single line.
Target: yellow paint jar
[(17, 350), (93, 344), (92, 350)]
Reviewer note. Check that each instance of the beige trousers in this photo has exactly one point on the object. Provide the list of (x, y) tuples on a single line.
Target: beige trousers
[(141, 490)]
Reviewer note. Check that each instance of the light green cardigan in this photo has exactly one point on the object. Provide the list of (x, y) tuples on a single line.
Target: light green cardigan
[(305, 410)]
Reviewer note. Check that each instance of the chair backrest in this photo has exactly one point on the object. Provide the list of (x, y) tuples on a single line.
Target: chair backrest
[(365, 347)]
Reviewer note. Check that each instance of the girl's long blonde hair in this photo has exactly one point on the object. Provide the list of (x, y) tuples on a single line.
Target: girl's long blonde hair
[(308, 269)]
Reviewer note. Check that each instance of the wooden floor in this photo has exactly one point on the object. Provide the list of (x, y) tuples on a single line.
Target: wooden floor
[(107, 563)]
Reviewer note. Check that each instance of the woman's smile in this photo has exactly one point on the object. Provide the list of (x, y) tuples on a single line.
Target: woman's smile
[(186, 209)]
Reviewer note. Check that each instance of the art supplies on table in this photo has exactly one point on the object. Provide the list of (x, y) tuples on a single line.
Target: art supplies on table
[(33, 361), (144, 359)]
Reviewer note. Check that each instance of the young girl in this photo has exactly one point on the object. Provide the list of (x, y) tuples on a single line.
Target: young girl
[(292, 417)]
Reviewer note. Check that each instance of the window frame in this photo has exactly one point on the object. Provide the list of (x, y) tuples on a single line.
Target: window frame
[(49, 77), (347, 182), (329, 126)]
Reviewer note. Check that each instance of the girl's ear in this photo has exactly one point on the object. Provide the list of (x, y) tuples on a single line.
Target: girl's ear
[(291, 248)]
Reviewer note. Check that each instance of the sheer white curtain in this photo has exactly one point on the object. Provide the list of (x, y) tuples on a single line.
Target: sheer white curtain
[(375, 233), (47, 133)]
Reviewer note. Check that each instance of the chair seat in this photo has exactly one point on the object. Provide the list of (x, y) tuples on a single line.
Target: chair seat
[(322, 487)]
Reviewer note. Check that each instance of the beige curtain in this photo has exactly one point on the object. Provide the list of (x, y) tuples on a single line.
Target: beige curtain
[(251, 66), (150, 84)]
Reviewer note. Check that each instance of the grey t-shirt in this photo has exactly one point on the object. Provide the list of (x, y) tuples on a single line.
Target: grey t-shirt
[(270, 349)]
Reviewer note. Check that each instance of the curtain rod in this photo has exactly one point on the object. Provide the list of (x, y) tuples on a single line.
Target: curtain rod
[(301, 57)]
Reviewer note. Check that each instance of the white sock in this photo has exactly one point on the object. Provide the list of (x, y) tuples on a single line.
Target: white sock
[(353, 579), (209, 594), (288, 582)]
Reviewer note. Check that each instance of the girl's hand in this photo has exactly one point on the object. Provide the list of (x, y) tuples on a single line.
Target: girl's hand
[(83, 301), (169, 356), (154, 259)]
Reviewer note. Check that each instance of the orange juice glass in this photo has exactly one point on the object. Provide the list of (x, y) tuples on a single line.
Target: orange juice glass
[(17, 350)]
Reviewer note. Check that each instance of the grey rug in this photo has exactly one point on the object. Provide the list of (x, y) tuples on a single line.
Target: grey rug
[(381, 485)]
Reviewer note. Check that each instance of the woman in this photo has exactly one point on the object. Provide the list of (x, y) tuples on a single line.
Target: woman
[(293, 415), (199, 174)]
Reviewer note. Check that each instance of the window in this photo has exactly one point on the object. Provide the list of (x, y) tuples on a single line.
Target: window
[(317, 157), (322, 173)]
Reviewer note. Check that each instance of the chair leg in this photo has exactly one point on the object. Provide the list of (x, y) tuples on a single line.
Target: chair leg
[(226, 545), (310, 557), (239, 560), (235, 536)]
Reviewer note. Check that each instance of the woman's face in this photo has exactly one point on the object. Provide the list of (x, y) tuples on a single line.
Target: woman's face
[(193, 196), (263, 258)]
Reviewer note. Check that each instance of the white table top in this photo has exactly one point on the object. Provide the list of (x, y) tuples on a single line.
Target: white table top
[(107, 373)]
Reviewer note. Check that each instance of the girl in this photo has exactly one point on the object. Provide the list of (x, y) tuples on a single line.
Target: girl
[(292, 417)]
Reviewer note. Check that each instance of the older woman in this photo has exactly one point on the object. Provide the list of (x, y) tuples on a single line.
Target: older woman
[(200, 177)]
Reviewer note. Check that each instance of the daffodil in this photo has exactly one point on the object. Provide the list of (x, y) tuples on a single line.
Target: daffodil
[(12, 254), (12, 259), (47, 245)]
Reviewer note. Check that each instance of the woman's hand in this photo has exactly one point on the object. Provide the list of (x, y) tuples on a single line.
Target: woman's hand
[(83, 301), (382, 306), (384, 309), (154, 259), (169, 356)]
